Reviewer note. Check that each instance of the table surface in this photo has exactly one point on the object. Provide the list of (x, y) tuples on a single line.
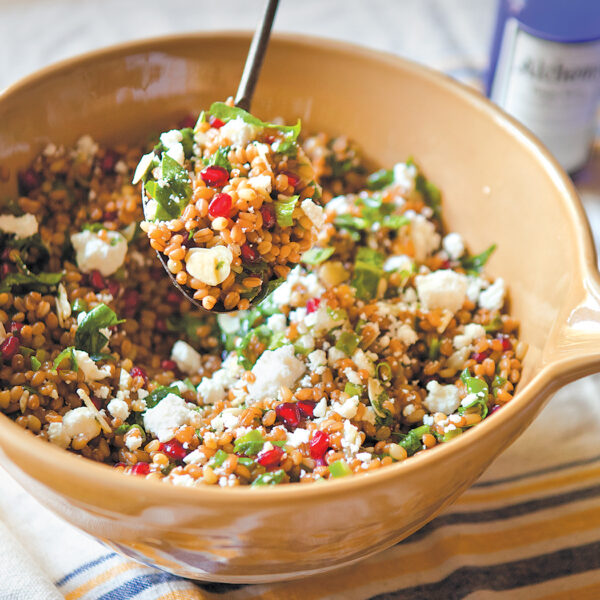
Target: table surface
[(451, 35)]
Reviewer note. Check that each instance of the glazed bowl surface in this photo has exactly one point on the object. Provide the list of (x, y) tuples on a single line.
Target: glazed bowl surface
[(499, 185)]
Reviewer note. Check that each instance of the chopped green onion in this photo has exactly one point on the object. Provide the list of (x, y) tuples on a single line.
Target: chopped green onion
[(339, 468)]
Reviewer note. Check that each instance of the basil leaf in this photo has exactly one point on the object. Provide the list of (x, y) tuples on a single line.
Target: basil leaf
[(249, 444), (287, 146), (411, 442), (380, 179), (66, 353), (173, 196), (474, 264), (218, 458), (187, 141), (39, 282), (347, 342), (159, 393), (351, 222), (395, 221), (316, 256), (284, 210), (368, 271), (272, 478), (219, 158), (88, 336), (228, 113), (266, 289), (479, 389)]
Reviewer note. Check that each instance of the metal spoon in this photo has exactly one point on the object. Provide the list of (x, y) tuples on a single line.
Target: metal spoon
[(243, 99)]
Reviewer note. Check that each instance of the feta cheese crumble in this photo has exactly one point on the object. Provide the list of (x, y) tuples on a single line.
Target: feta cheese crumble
[(93, 252), (187, 359), (441, 398), (453, 245), (493, 297), (442, 289), (167, 416), (22, 227)]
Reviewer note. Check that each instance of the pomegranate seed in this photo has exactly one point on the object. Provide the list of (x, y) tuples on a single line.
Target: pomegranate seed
[(173, 297), (220, 206), (306, 407), (97, 402), (312, 305), (445, 264), (269, 139), (289, 413), (174, 450), (96, 280), (268, 215), (113, 288), (161, 325), (215, 122), (29, 180), (215, 176), (6, 269), (168, 365), (15, 327), (110, 216), (293, 179), (108, 162), (140, 468), (480, 356), (506, 344), (187, 121), (249, 254), (131, 298), (9, 347), (319, 444), (139, 372), (270, 458)]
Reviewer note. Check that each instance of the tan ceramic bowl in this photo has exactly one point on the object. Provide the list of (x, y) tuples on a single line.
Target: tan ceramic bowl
[(499, 186)]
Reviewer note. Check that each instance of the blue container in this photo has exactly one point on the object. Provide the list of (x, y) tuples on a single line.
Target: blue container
[(545, 71)]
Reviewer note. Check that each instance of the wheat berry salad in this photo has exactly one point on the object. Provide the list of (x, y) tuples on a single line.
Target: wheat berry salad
[(232, 205), (385, 339)]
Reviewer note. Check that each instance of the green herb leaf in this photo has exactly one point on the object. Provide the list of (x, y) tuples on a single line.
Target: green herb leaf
[(39, 282), (353, 390), (380, 179), (497, 383), (173, 196), (187, 324), (368, 271), (288, 147), (93, 227), (272, 478), (159, 394), (346, 221), (434, 348), (474, 264), (187, 141), (411, 442), (79, 304), (88, 336), (249, 444), (347, 342), (339, 468), (219, 158), (479, 389), (218, 458), (315, 256), (66, 353), (284, 210), (228, 113), (35, 363)]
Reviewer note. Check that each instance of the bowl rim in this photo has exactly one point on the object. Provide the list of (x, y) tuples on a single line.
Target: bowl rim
[(102, 475)]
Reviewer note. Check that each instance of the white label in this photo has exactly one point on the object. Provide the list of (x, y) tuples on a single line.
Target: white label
[(552, 88)]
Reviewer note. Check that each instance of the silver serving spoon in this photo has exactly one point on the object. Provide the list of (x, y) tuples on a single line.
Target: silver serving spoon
[(243, 99)]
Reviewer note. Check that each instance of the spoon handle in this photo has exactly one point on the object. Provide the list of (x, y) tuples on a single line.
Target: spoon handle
[(255, 57)]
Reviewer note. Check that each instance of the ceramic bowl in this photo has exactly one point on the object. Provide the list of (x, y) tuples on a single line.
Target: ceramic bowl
[(499, 185)]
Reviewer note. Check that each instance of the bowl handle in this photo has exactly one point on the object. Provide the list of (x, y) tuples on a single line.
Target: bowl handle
[(576, 343)]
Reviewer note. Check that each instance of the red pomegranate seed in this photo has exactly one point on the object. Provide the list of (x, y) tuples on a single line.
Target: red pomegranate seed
[(319, 444), (168, 365), (306, 407), (270, 458), (174, 450), (9, 347), (312, 305), (445, 264), (113, 288), (140, 468), (15, 327), (293, 179), (289, 413), (110, 216), (187, 121), (96, 280), (29, 180), (480, 356), (215, 176), (506, 344), (131, 298), (139, 372), (215, 122), (220, 206), (249, 254), (160, 325), (173, 297), (108, 162), (268, 215), (97, 402)]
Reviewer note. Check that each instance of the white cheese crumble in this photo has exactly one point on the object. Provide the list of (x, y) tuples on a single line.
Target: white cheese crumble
[(472, 332), (441, 398), (493, 297), (57, 435), (442, 289), (90, 371), (275, 368), (118, 409), (92, 252), (320, 409), (475, 285), (170, 138), (404, 177), (339, 205), (362, 361), (352, 376), (187, 359), (298, 437), (277, 323), (238, 132), (282, 295), (424, 237), (212, 389), (167, 416), (351, 440), (22, 227), (81, 421), (226, 419), (399, 262), (313, 212), (453, 245), (261, 184), (346, 409)]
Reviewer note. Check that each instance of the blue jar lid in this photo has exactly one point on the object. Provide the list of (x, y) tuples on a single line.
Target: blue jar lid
[(567, 21)]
